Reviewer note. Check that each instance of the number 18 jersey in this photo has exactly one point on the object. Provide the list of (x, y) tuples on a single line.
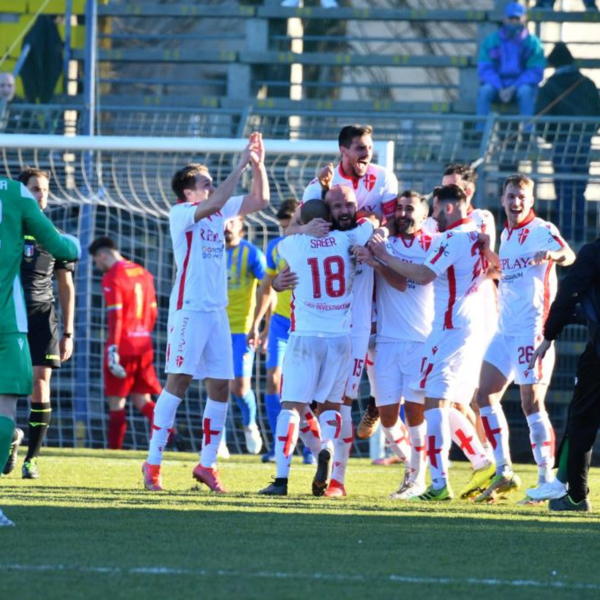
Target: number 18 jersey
[(325, 267)]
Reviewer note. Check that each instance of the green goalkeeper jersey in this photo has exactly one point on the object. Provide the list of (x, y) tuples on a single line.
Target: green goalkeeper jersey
[(20, 215)]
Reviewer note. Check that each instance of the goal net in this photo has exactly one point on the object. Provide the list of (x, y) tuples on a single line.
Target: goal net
[(120, 186)]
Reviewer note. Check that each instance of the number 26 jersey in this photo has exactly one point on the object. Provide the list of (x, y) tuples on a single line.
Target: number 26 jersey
[(325, 267)]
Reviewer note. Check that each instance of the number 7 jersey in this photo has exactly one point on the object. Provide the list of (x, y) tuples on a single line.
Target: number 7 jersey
[(325, 267)]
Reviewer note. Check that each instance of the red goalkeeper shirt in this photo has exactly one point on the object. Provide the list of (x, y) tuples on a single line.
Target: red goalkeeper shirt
[(131, 304)]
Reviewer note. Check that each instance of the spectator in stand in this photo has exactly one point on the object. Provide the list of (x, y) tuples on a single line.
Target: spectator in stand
[(549, 5), (568, 93), (511, 64), (131, 315), (7, 87)]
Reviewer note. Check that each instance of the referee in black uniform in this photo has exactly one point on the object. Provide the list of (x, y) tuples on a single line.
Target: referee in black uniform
[(581, 285), (48, 350)]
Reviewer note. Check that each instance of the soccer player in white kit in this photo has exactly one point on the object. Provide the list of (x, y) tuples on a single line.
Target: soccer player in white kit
[(199, 339), (530, 249), (457, 266), (403, 324), (316, 359), (376, 190)]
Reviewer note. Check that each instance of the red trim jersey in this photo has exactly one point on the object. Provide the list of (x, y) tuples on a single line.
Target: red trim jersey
[(200, 257), (131, 304), (321, 301), (376, 191), (460, 267), (405, 316), (527, 288)]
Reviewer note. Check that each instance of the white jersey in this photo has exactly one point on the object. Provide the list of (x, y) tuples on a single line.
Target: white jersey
[(376, 191), (405, 316), (483, 219), (325, 267), (200, 257), (526, 288), (460, 268)]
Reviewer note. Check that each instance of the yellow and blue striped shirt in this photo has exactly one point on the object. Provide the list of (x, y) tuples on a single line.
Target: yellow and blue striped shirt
[(275, 264), (246, 266)]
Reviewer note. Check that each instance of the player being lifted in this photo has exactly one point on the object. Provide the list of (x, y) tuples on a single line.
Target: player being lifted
[(316, 360), (199, 338), (131, 308), (530, 249), (457, 266), (19, 214), (375, 189)]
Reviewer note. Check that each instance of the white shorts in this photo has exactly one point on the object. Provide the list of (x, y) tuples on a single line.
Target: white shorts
[(315, 368), (511, 356), (445, 353), (469, 371), (358, 360), (396, 366), (199, 344)]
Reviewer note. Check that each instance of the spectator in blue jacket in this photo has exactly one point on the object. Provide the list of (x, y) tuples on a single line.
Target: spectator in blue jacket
[(511, 64)]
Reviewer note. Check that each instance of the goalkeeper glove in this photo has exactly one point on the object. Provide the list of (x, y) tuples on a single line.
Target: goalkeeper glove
[(113, 363)]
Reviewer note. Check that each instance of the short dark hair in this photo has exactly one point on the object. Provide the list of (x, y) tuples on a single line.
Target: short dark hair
[(28, 172), (463, 170), (517, 179), (349, 132), (414, 195), (102, 243), (450, 193), (314, 209), (287, 208), (185, 179)]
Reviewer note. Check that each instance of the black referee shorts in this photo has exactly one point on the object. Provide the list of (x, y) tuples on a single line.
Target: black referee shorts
[(43, 337)]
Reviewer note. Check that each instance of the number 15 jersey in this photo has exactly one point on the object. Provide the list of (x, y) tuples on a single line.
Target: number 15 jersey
[(325, 267)]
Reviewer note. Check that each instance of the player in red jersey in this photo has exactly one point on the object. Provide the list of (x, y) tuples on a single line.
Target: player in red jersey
[(129, 363)]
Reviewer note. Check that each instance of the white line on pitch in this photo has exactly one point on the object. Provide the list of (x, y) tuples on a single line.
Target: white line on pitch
[(341, 577)]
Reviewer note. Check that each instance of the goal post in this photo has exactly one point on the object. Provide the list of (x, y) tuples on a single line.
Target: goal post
[(121, 186)]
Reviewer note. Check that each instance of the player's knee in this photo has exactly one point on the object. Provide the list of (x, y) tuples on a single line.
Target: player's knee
[(389, 415), (240, 386), (273, 381), (414, 413)]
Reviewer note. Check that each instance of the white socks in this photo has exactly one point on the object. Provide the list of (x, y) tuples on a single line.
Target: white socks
[(310, 432), (164, 417), (541, 436), (213, 423), (286, 437), (343, 445), (465, 437), (438, 445), (331, 427), (496, 431)]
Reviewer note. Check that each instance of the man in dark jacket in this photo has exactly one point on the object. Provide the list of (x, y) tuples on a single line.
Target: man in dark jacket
[(581, 285), (571, 140)]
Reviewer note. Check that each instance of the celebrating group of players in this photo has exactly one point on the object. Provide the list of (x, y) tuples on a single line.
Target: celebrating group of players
[(455, 322)]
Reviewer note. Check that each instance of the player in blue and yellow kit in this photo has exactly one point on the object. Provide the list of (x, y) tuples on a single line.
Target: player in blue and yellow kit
[(246, 266)]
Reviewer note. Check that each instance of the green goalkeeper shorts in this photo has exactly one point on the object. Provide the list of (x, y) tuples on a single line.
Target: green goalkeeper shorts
[(16, 372)]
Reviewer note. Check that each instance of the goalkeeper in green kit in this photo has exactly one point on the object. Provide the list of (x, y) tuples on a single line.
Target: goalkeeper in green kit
[(20, 215)]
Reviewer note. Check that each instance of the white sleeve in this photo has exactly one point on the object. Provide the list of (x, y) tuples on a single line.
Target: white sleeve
[(232, 207), (181, 218), (390, 189), (284, 246), (489, 227), (362, 234), (313, 191), (443, 254), (553, 239)]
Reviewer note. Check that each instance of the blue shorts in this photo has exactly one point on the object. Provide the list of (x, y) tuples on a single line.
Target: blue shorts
[(243, 356), (279, 333)]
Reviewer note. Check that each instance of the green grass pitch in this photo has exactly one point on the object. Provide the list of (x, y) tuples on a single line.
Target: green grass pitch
[(88, 530)]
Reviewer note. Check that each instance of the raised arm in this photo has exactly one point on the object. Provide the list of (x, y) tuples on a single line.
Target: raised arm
[(226, 190), (260, 195)]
